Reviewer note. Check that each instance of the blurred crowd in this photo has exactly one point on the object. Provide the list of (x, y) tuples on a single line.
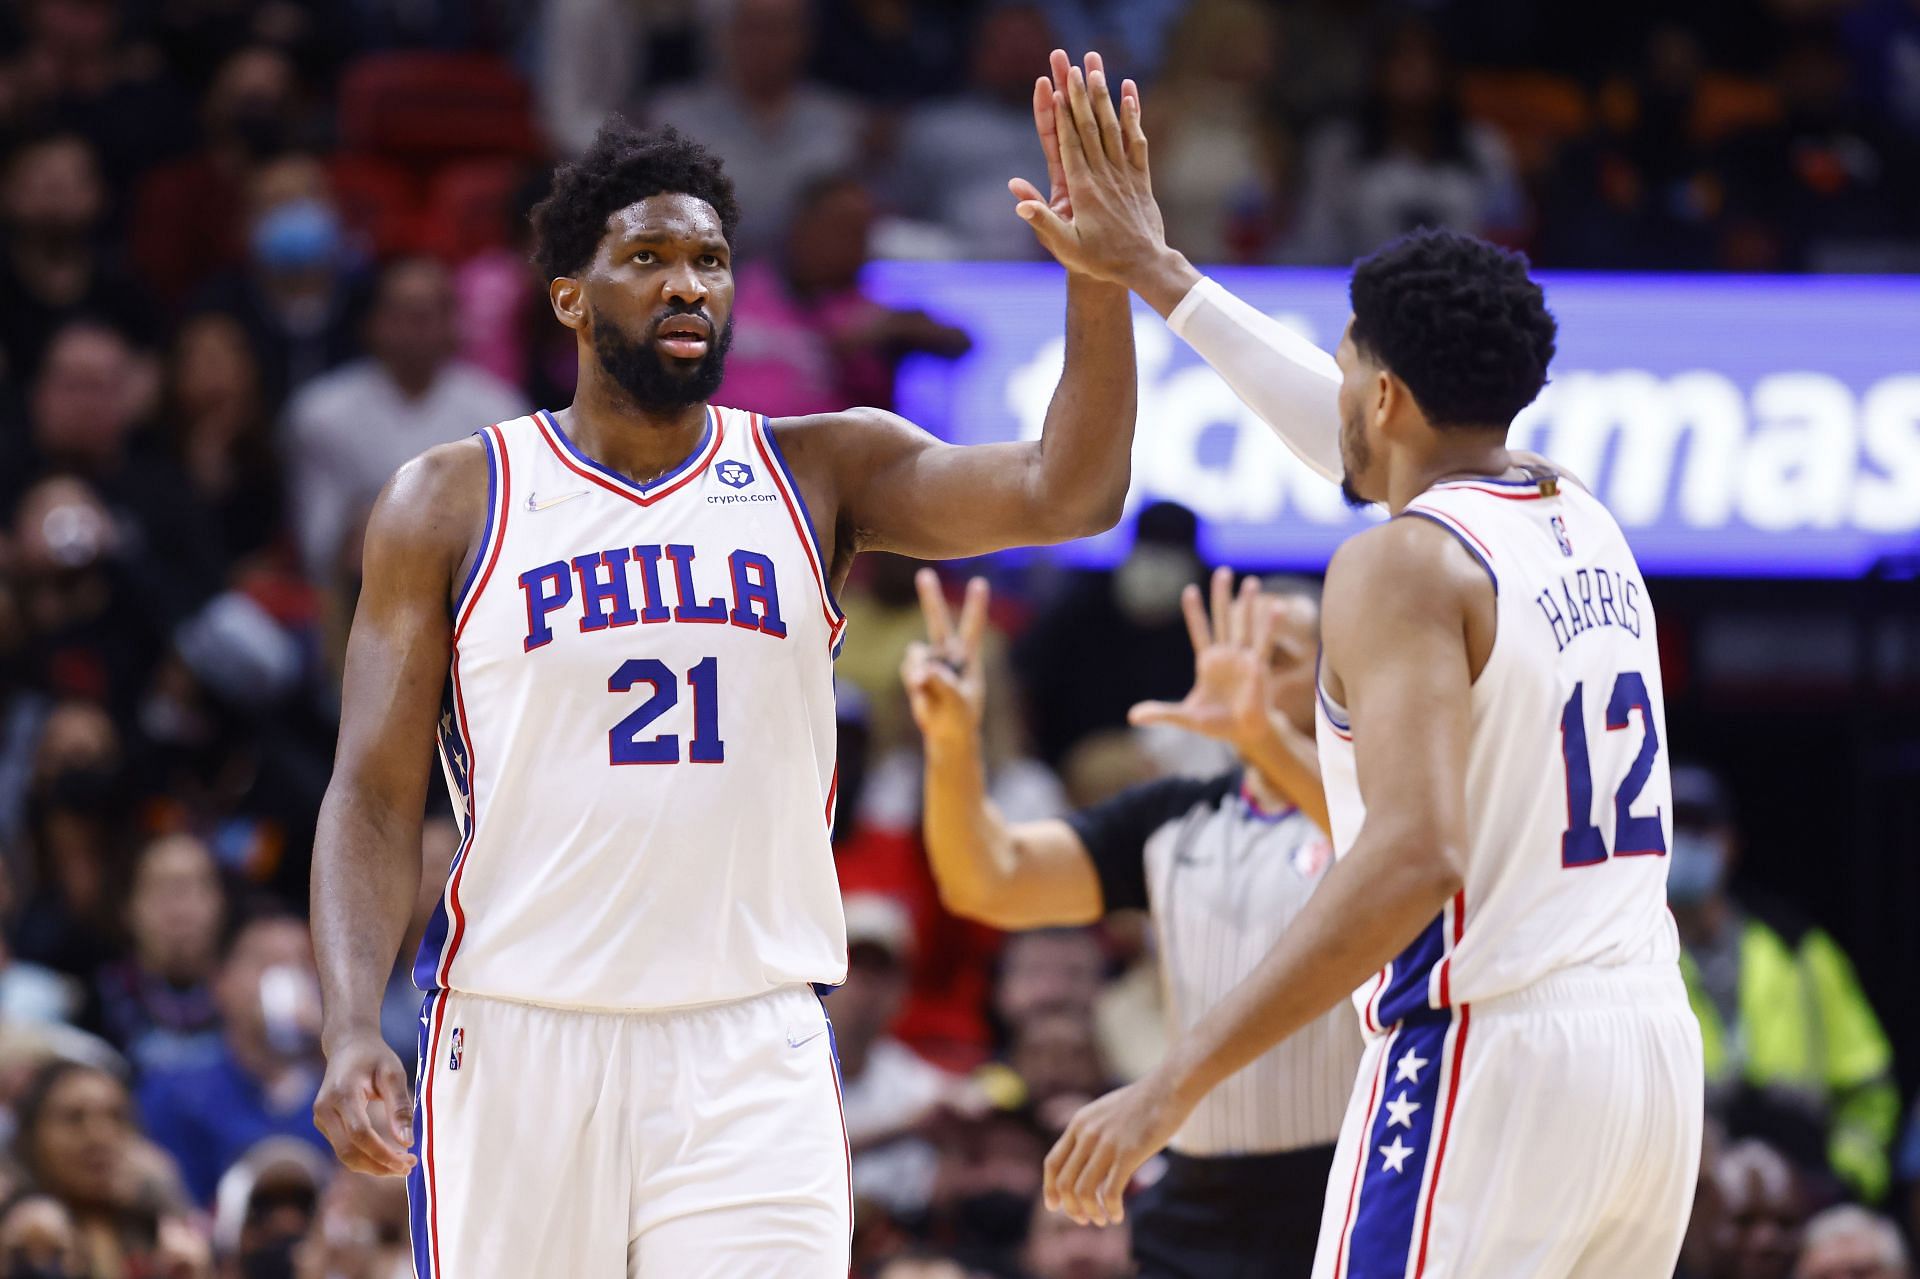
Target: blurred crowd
[(255, 253)]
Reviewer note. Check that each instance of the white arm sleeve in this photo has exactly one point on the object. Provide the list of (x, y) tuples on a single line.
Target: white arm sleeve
[(1291, 383)]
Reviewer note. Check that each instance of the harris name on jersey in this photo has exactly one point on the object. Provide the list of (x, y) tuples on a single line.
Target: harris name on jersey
[(1589, 599)]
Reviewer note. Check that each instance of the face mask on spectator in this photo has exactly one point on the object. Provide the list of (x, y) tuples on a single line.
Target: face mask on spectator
[(297, 236), (1695, 867)]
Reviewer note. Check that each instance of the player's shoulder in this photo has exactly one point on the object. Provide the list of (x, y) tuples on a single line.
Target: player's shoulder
[(1402, 570), (849, 437), (433, 502)]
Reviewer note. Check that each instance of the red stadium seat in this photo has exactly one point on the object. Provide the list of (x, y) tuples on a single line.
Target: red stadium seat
[(466, 207), (426, 107), (381, 200)]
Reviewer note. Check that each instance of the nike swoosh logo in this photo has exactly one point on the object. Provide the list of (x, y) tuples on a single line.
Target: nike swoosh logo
[(535, 504), (795, 1041)]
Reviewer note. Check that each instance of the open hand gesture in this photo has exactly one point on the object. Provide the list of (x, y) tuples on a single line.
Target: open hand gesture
[(1100, 219), (946, 688), (1232, 693)]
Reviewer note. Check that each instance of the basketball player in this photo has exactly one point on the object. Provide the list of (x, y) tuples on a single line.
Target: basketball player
[(617, 621), (1492, 740)]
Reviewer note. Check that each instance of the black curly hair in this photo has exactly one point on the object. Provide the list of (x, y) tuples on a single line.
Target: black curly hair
[(1459, 321), (624, 165)]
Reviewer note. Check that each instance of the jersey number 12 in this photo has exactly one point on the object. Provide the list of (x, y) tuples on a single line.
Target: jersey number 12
[(1583, 843)]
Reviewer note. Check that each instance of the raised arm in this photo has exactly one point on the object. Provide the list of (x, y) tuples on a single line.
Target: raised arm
[(366, 857), (1398, 602), (1029, 875), (1287, 380)]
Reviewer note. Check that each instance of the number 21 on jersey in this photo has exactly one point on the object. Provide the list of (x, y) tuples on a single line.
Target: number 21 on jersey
[(1583, 843)]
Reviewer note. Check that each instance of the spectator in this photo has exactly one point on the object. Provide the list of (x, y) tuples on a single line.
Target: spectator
[(1075, 688), (986, 1185), (954, 156), (1847, 1242), (219, 423), (1639, 192), (1060, 1249), (157, 1005), (1409, 160), (55, 268), (188, 224), (264, 1080), (808, 340), (921, 1265), (76, 71), (888, 1092), (1057, 1057), (38, 1238), (1130, 33), (1221, 157), (77, 1143), (267, 1203), (1791, 1042), (776, 130), (297, 294), (1760, 1232), (1813, 187), (361, 1231), (507, 327), (77, 810), (348, 431), (1044, 971), (92, 394)]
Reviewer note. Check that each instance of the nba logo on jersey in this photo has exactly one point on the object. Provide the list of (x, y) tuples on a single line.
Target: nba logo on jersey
[(1560, 535), (459, 1047), (736, 474)]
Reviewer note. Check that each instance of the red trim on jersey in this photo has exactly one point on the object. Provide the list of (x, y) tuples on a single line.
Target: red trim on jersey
[(499, 537), (1360, 1160), (1368, 1009), (432, 1072), (833, 793), (778, 474), (633, 493), (473, 825), (1453, 522), (1440, 1151)]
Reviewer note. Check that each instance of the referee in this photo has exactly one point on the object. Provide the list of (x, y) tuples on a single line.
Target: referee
[(1223, 864)]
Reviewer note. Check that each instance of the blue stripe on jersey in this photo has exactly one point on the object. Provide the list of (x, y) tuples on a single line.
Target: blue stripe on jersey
[(458, 753), (800, 500), (1334, 716), (1406, 995), (1395, 1152), (417, 1175), (1460, 537), (486, 533), (660, 481)]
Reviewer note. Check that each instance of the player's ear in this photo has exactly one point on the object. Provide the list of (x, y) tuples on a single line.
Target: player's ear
[(569, 301)]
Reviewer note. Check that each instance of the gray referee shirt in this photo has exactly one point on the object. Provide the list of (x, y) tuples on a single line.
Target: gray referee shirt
[(1223, 880)]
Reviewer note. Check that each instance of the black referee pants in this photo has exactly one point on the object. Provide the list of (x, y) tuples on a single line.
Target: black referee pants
[(1232, 1216)]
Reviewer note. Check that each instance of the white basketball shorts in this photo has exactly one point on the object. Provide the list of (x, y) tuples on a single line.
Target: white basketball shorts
[(699, 1143), (1552, 1133)]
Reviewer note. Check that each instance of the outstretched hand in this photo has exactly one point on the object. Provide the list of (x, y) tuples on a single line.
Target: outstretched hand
[(946, 687), (1232, 693), (1100, 218)]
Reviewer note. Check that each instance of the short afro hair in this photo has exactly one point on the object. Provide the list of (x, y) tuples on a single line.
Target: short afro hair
[(623, 166), (1459, 321)]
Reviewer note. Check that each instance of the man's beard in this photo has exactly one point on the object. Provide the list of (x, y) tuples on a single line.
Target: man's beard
[(644, 374), (1355, 457)]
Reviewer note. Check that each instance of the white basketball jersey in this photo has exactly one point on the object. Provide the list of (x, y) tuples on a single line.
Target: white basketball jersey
[(1568, 799), (639, 732)]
